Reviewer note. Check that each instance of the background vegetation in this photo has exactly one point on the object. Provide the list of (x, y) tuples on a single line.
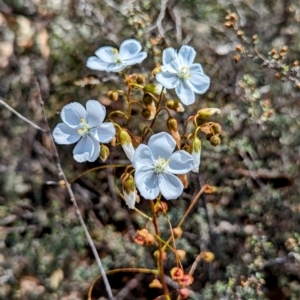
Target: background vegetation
[(251, 223)]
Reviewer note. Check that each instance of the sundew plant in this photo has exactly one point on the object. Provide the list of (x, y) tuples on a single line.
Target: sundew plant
[(159, 158), (166, 158)]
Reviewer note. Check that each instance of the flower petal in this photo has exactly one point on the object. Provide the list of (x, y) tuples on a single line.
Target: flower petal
[(106, 54), (63, 134), (197, 159), (199, 82), (181, 162), (185, 92), (196, 68), (136, 59), (72, 114), (87, 149), (129, 49), (130, 199), (129, 150), (115, 67), (95, 63), (168, 80), (170, 186), (161, 144), (186, 55), (104, 133), (169, 54), (146, 182), (95, 113), (142, 157)]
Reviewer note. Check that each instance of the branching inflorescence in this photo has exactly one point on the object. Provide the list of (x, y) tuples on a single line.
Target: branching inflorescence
[(154, 172)]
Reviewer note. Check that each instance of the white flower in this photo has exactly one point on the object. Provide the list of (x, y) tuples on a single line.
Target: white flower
[(109, 59), (179, 72), (85, 126), (156, 165)]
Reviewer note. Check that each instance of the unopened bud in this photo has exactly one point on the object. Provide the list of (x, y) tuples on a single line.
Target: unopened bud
[(147, 114), (205, 113), (236, 58), (163, 254), (215, 140), (126, 143), (277, 75), (181, 254), (240, 33), (104, 153), (207, 256), (155, 284), (239, 48), (216, 128), (195, 150), (140, 79), (156, 70), (186, 280), (154, 89), (175, 105), (177, 232), (129, 190), (161, 207), (113, 95), (254, 38), (173, 128)]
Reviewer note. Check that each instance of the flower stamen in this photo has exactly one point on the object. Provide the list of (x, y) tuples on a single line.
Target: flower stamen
[(184, 73), (161, 165), (84, 129)]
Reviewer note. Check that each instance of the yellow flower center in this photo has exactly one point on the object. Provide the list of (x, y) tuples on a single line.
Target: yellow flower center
[(161, 165), (116, 57), (184, 73), (84, 129)]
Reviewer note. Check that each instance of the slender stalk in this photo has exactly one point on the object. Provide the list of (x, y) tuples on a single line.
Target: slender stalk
[(20, 116), (188, 211), (160, 261)]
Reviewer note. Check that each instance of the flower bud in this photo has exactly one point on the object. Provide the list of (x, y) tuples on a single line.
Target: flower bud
[(177, 232), (140, 79), (155, 284), (154, 89), (195, 150), (104, 153), (175, 105), (207, 256), (126, 143), (181, 254), (113, 95), (216, 128), (147, 99), (215, 140), (163, 256), (161, 207), (173, 128), (156, 70), (147, 114), (205, 113), (129, 190), (143, 237)]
